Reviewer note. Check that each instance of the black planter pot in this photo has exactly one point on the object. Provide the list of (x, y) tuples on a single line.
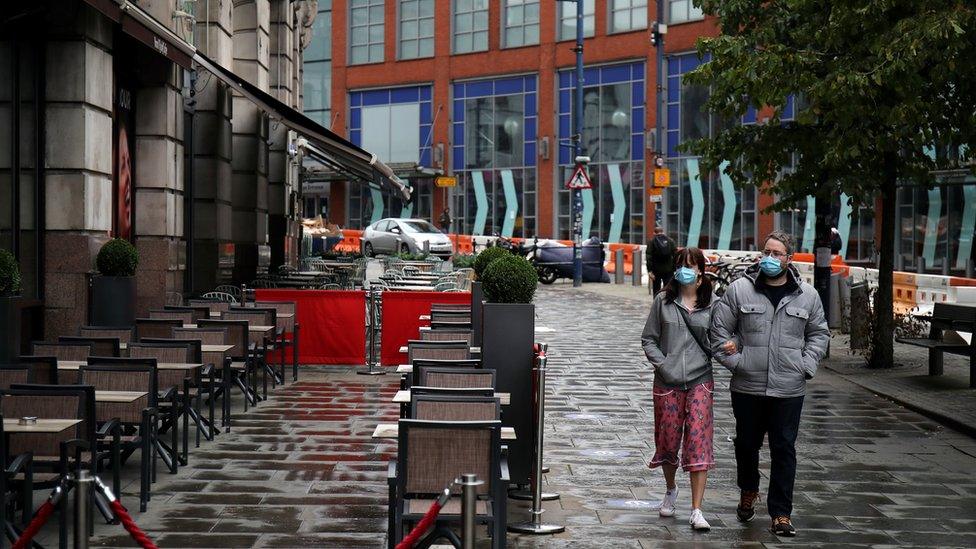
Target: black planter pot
[(477, 320), (113, 300), (21, 321), (509, 334)]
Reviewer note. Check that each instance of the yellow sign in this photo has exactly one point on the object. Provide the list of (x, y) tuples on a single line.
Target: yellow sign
[(662, 177), (445, 181)]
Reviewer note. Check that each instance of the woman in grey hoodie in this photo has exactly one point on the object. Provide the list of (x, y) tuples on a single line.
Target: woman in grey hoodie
[(675, 340)]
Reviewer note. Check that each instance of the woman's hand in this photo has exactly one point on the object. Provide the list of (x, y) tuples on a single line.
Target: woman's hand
[(729, 348)]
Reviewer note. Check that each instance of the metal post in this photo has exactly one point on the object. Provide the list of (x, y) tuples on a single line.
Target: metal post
[(578, 147), (469, 499), (618, 267), (371, 294), (659, 98), (83, 492), (529, 494), (536, 526), (638, 268)]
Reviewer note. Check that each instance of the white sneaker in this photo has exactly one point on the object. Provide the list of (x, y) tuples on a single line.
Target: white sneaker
[(697, 520), (666, 507)]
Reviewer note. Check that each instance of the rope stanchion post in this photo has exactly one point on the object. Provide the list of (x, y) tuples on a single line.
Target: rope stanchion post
[(469, 499), (371, 310), (83, 484), (535, 525), (529, 493)]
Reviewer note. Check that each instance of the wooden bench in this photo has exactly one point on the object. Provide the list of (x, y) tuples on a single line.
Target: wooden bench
[(951, 317)]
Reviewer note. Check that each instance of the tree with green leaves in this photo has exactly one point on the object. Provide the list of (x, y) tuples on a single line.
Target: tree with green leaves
[(879, 86)]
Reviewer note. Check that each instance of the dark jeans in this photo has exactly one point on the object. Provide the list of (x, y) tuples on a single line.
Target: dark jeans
[(755, 417), (660, 280)]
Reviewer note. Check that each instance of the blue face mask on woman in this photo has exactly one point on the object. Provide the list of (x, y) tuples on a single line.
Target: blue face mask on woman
[(685, 276), (770, 266)]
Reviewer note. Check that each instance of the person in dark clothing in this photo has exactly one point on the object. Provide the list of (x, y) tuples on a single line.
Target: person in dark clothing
[(835, 242), (446, 220), (660, 259)]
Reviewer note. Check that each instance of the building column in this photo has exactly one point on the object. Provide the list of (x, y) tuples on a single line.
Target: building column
[(282, 226)]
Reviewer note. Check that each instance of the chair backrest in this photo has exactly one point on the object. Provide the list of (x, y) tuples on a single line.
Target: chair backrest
[(456, 378), (442, 307), (231, 290), (44, 369), (62, 351), (206, 336), (13, 374), (236, 335), (187, 317), (122, 374), (454, 408), (123, 334), (169, 348), (431, 454), (446, 350), (15, 404), (448, 334), (156, 327), (217, 301), (199, 311), (450, 316), (441, 324), (254, 316), (428, 362), (100, 346), (282, 308), (89, 424)]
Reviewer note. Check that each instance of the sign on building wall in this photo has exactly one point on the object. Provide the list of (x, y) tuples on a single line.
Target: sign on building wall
[(123, 165)]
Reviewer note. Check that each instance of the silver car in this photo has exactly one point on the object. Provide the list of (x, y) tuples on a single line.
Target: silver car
[(397, 235)]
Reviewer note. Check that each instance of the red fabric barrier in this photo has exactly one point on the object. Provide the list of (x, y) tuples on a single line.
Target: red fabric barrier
[(401, 319), (333, 324)]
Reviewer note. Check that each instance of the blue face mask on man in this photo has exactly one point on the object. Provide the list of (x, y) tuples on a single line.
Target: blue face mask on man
[(685, 276), (770, 266)]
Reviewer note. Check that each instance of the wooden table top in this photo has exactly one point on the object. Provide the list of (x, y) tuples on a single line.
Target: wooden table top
[(392, 430), (216, 348), (76, 364), (403, 397), (259, 328), (118, 396), (475, 350), (43, 426)]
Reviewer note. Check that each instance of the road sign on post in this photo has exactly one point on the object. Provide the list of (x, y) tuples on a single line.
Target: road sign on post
[(580, 179), (445, 181), (662, 177)]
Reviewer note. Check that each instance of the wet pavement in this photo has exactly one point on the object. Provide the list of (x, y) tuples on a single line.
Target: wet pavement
[(302, 471)]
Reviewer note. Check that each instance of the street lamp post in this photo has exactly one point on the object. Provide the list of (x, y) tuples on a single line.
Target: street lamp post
[(577, 205)]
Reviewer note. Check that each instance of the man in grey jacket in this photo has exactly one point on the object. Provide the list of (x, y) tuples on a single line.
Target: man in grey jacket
[(778, 324)]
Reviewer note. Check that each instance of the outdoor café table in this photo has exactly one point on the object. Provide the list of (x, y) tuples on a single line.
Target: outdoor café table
[(256, 333), (392, 430), (403, 397), (43, 426), (474, 351), (69, 365), (123, 397), (406, 281), (215, 354), (403, 288)]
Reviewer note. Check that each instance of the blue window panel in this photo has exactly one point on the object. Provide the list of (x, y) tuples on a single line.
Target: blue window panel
[(508, 86), (355, 99), (355, 118), (564, 125), (425, 138), (530, 154), (591, 76), (425, 93), (355, 138), (611, 75), (564, 100), (788, 113), (637, 71), (404, 95), (750, 116), (689, 63), (637, 120), (673, 143), (637, 94), (565, 79), (459, 111), (376, 97), (674, 117), (425, 157), (425, 112), (459, 134), (564, 155), (529, 83), (529, 132), (530, 104), (478, 89), (674, 89), (458, 159), (673, 68), (637, 146), (459, 91)]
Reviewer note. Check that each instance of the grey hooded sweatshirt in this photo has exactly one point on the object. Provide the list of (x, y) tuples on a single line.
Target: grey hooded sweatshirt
[(781, 347), (677, 358)]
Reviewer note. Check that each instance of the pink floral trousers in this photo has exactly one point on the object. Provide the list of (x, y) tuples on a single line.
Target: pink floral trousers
[(683, 414)]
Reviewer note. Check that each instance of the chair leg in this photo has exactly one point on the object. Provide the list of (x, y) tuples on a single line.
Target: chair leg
[(935, 362)]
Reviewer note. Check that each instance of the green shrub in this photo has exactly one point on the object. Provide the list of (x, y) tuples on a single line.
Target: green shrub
[(9, 274), (486, 257), (510, 279), (118, 257), (407, 256), (464, 261)]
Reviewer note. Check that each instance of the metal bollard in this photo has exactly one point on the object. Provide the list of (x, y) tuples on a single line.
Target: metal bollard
[(536, 526), (469, 499), (83, 486), (618, 267), (529, 494), (638, 269), (371, 336)]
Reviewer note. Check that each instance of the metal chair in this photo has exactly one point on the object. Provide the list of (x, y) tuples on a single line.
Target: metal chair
[(100, 346), (446, 350), (438, 363), (156, 327), (184, 316), (230, 289), (221, 297), (77, 352), (285, 325), (44, 369), (448, 334), (456, 378), (123, 333), (241, 367), (13, 374), (454, 408)]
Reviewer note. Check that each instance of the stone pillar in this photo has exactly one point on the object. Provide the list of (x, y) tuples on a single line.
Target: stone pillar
[(282, 225), (78, 152)]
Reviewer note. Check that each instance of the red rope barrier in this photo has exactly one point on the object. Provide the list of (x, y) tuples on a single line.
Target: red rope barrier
[(137, 534), (43, 513), (421, 528)]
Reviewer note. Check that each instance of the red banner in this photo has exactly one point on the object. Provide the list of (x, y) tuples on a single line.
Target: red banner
[(401, 319), (333, 324)]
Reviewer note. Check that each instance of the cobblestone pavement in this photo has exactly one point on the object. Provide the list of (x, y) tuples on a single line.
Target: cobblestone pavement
[(301, 469)]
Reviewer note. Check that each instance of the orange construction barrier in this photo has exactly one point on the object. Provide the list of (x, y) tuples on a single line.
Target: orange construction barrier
[(350, 241), (628, 257)]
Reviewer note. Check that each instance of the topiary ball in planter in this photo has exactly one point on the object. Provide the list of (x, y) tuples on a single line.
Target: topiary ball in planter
[(510, 279), (486, 257), (118, 257), (9, 274)]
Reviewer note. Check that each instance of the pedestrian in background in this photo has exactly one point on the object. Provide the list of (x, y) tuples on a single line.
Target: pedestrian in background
[(778, 321), (446, 220), (660, 258), (675, 340)]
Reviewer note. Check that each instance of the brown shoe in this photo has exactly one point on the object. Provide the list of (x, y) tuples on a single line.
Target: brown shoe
[(746, 510), (782, 526)]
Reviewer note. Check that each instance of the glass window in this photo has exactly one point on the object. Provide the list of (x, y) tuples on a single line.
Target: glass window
[(684, 10), (493, 128), (606, 122), (390, 131), (520, 23), (366, 31), (470, 26), (567, 19), (628, 15), (317, 68), (416, 29), (418, 227)]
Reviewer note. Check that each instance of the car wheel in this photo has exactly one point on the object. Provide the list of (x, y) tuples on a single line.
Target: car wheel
[(547, 275), (368, 249)]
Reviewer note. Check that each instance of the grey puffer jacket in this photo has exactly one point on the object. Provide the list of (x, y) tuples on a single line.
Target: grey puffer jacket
[(779, 348), (677, 358)]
